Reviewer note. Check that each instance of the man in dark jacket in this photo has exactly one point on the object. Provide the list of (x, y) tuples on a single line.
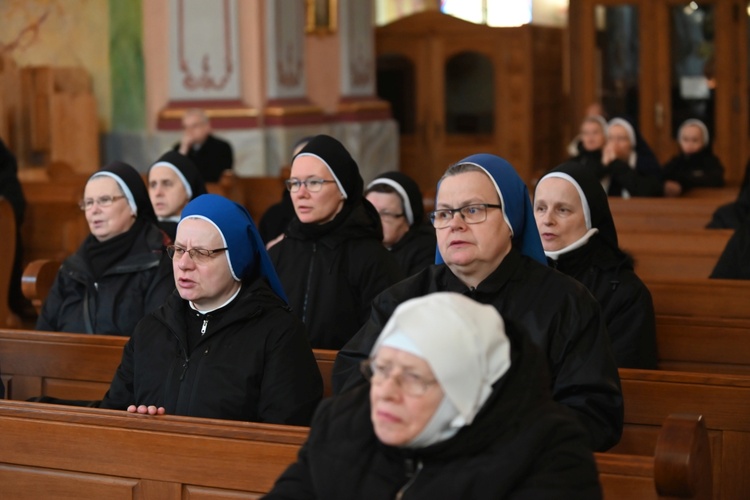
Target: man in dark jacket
[(210, 154), (493, 254)]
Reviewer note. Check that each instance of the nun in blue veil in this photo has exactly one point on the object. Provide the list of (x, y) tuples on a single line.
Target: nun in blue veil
[(489, 249), (225, 344)]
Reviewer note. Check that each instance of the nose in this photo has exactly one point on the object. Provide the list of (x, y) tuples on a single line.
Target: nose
[(457, 222), (547, 219), (388, 389), (184, 262)]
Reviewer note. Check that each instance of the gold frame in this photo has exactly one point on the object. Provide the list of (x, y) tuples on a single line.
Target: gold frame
[(321, 16)]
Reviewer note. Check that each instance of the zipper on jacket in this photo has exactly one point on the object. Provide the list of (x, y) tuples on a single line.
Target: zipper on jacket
[(185, 365), (412, 474), (309, 279), (205, 325)]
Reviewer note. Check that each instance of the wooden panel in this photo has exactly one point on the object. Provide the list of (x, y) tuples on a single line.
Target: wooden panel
[(27, 483), (200, 493), (701, 298)]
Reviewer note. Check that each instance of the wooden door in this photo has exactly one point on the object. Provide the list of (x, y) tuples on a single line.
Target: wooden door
[(661, 62)]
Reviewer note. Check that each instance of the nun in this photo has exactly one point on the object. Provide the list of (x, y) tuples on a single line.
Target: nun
[(173, 181), (630, 166), (120, 272), (331, 259), (695, 165), (457, 405), (579, 239), (489, 250), (406, 233), (224, 344)]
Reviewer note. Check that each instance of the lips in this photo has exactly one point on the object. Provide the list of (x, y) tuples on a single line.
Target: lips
[(386, 417), (548, 236), (185, 283), (458, 243)]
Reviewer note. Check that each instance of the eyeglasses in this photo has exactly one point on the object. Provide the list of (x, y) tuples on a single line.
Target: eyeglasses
[(199, 255), (312, 185), (102, 201), (389, 216), (411, 383), (471, 214)]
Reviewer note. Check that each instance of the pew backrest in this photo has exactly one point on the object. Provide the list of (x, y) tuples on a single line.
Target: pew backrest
[(7, 256)]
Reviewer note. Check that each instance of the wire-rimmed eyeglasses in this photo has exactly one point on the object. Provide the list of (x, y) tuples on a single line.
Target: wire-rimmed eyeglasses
[(197, 254), (102, 201), (313, 185), (410, 382), (471, 214)]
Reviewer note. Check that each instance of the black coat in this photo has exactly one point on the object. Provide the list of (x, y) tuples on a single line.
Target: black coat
[(733, 215), (560, 316), (416, 249), (644, 180), (625, 301), (702, 169), (253, 363), (10, 189), (331, 280), (734, 262), (520, 445), (212, 158), (114, 304)]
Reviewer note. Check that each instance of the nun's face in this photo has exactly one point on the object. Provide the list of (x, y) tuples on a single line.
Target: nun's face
[(620, 140), (472, 251), (397, 416), (392, 216), (592, 135), (559, 214), (315, 207), (691, 139), (112, 220), (207, 281), (167, 192)]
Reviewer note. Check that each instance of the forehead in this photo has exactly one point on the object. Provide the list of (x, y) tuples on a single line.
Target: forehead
[(692, 131), (403, 359), (618, 132), (555, 189), (191, 119), (384, 200), (162, 173), (197, 232), (101, 185), (468, 186), (309, 166), (592, 126)]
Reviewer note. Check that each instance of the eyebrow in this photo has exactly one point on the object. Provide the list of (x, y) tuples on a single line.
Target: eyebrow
[(470, 201)]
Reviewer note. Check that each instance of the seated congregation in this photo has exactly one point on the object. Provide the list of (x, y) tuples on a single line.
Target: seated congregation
[(223, 343)]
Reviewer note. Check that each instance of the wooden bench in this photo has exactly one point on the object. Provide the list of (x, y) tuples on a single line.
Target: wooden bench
[(691, 253), (77, 366), (668, 214), (700, 298), (92, 453), (7, 256), (724, 402)]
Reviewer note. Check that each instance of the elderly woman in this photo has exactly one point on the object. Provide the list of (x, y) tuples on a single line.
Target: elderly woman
[(406, 234), (224, 345), (455, 408), (120, 272), (631, 171), (331, 260), (579, 239), (172, 182), (489, 250)]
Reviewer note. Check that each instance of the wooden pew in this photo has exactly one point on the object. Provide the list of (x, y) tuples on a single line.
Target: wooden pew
[(37, 280), (724, 402), (7, 255), (691, 253), (668, 214), (91, 453), (77, 366), (701, 298)]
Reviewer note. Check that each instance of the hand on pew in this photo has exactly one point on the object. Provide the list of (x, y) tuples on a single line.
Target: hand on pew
[(147, 410)]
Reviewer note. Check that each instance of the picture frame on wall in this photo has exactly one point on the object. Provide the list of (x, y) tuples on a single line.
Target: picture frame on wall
[(321, 16)]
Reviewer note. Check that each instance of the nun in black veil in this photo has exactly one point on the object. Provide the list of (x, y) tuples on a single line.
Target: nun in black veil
[(121, 271)]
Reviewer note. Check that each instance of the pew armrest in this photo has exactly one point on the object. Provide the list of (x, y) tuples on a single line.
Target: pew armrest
[(37, 280), (682, 461)]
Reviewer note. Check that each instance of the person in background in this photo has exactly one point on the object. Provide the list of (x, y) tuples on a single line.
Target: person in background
[(579, 239), (406, 234), (592, 139), (734, 262), (224, 344), (733, 215), (490, 251), (331, 259), (629, 172), (10, 189), (120, 273), (210, 154), (457, 406), (278, 216), (695, 165), (172, 182)]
